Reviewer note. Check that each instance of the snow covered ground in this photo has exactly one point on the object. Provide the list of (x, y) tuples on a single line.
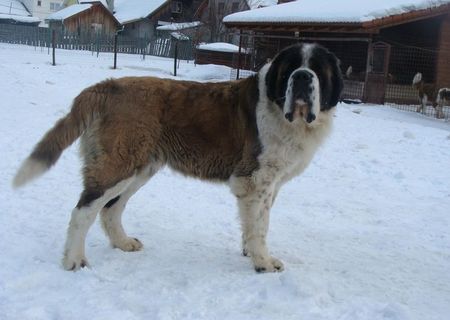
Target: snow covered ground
[(364, 232)]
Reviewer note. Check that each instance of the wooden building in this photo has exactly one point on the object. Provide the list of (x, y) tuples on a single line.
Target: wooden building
[(140, 18), (84, 19), (222, 54), (384, 45)]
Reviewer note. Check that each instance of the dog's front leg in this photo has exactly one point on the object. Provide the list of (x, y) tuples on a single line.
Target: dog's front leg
[(254, 209)]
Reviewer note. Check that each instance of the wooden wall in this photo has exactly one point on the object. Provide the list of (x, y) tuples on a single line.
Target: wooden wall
[(84, 22), (443, 58)]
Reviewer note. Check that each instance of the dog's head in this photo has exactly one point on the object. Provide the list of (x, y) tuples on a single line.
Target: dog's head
[(303, 80)]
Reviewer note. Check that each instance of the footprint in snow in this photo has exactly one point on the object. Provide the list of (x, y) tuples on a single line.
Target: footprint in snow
[(408, 135)]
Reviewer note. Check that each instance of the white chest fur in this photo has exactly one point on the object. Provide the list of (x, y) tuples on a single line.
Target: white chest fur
[(287, 147)]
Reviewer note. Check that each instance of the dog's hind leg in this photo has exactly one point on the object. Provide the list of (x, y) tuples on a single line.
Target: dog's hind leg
[(111, 214), (83, 216)]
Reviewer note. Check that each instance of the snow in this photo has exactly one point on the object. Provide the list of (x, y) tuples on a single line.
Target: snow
[(103, 2), (19, 18), (15, 10), (254, 4), (68, 12), (219, 46), (179, 26), (127, 11), (13, 7), (363, 232), (302, 11), (179, 36)]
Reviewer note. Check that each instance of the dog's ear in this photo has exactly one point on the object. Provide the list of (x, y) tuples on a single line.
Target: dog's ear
[(272, 78), (337, 82), (278, 74)]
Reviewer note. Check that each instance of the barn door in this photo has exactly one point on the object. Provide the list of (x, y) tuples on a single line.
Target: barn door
[(375, 88)]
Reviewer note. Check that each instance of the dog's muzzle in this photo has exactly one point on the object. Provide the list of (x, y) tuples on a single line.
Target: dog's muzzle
[(299, 102)]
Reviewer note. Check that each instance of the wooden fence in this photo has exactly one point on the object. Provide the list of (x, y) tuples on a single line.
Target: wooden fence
[(41, 37)]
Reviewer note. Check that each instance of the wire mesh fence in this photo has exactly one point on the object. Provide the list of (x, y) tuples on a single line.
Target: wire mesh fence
[(379, 72)]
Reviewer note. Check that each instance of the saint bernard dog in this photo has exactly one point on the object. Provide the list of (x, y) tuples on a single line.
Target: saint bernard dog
[(429, 92), (253, 134)]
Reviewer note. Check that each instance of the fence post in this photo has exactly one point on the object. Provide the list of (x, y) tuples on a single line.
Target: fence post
[(115, 50), (53, 46), (239, 55), (175, 59), (97, 40)]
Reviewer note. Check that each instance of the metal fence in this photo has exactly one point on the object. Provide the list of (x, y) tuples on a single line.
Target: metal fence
[(96, 42)]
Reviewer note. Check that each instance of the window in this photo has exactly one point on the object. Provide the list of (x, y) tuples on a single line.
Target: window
[(39, 3), (177, 6), (54, 6)]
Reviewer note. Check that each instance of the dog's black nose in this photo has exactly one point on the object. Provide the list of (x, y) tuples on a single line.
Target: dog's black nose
[(302, 75), (310, 117)]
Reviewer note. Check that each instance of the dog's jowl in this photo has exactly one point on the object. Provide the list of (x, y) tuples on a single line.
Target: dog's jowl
[(253, 134)]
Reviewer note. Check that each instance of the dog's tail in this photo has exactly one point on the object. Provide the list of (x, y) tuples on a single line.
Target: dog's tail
[(86, 107)]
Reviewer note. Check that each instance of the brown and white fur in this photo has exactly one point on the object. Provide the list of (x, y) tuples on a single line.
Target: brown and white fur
[(427, 92), (443, 97), (254, 134)]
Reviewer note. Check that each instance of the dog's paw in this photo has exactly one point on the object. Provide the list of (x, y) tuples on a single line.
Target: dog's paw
[(129, 244), (74, 263), (268, 264)]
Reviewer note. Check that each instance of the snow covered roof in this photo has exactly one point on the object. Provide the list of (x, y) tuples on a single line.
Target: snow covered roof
[(255, 4), (179, 26), (103, 2), (15, 10), (321, 11), (69, 11), (218, 46), (23, 19), (127, 11)]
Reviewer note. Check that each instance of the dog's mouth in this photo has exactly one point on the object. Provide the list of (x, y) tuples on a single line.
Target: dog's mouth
[(300, 109)]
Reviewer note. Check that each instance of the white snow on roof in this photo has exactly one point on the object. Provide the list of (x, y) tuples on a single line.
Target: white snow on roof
[(69, 11), (336, 11), (179, 36), (179, 26), (218, 46), (131, 10), (103, 2), (19, 18), (15, 10), (254, 4)]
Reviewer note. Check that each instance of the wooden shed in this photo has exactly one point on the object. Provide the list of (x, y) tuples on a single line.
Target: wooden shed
[(222, 54), (84, 19), (381, 45)]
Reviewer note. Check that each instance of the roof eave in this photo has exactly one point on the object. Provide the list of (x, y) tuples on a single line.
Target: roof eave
[(332, 27), (411, 16)]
